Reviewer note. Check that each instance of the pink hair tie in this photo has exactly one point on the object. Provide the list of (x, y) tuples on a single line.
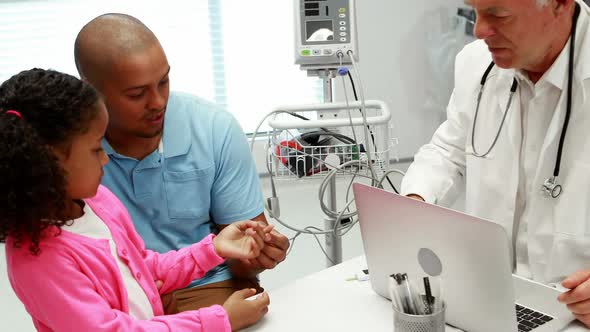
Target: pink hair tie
[(14, 113)]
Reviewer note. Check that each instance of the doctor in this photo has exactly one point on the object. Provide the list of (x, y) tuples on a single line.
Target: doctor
[(521, 149)]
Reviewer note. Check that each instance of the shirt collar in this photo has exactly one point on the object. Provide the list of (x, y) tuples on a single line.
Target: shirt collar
[(176, 140), (582, 43), (108, 149), (556, 75), (177, 137)]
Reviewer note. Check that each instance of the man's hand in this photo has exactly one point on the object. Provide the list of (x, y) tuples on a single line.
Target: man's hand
[(578, 298), (242, 240), (274, 251)]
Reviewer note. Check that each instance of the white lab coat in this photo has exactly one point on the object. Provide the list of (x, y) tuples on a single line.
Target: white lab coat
[(559, 229)]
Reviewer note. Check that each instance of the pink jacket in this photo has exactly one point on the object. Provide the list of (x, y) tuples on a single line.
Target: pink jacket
[(75, 284)]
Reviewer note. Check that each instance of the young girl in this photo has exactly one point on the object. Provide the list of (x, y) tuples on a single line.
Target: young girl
[(73, 256)]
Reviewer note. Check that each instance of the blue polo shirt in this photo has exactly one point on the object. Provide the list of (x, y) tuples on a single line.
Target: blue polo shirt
[(205, 177)]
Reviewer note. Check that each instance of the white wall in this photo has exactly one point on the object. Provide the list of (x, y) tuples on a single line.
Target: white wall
[(393, 40)]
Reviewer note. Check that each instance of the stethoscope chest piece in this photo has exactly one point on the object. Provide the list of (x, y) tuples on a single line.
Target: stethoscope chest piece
[(551, 187)]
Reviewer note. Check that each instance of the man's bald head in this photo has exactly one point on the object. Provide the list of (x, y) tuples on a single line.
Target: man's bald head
[(107, 38)]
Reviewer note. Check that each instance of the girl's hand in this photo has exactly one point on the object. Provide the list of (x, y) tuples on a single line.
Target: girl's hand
[(242, 312), (241, 240)]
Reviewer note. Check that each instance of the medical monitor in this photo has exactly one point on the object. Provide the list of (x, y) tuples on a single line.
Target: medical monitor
[(325, 29)]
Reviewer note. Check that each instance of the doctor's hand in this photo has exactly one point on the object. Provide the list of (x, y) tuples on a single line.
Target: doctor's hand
[(578, 297), (415, 196)]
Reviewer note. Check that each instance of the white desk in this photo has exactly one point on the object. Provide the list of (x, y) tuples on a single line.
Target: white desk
[(325, 301)]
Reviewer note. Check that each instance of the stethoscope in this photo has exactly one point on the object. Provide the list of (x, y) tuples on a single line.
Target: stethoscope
[(550, 187)]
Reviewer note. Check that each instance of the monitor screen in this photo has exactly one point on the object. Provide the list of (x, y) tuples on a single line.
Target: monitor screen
[(319, 31)]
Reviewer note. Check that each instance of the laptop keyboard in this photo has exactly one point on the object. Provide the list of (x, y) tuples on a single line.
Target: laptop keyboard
[(528, 319)]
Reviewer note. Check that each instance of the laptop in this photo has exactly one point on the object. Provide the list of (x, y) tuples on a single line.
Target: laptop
[(479, 290)]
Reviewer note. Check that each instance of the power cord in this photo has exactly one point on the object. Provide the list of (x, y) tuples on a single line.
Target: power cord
[(323, 186), (339, 229), (372, 136)]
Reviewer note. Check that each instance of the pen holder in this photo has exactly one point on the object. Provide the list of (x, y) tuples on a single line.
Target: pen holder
[(403, 322)]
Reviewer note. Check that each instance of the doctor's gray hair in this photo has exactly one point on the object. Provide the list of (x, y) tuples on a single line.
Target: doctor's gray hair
[(542, 3)]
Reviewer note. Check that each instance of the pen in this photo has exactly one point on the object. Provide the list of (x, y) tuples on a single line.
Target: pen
[(413, 309), (437, 292), (440, 294), (429, 298), (402, 293), (393, 293)]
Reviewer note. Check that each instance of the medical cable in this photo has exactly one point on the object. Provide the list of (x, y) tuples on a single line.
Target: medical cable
[(273, 200), (324, 185), (349, 187), (322, 248), (569, 92), (353, 223), (360, 110), (342, 138), (268, 168), (273, 211), (341, 230), (343, 213), (348, 108), (272, 203), (292, 240), (345, 228), (256, 131), (372, 136), (302, 153), (340, 218), (385, 176), (326, 182), (550, 186), (333, 214), (333, 172), (479, 96), (316, 231), (364, 112)]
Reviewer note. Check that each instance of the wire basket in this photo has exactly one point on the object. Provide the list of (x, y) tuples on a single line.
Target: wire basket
[(309, 141)]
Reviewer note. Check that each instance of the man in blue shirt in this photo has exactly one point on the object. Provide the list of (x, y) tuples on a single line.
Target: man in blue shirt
[(182, 167)]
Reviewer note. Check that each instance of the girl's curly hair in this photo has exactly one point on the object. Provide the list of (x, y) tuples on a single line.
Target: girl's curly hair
[(52, 108)]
